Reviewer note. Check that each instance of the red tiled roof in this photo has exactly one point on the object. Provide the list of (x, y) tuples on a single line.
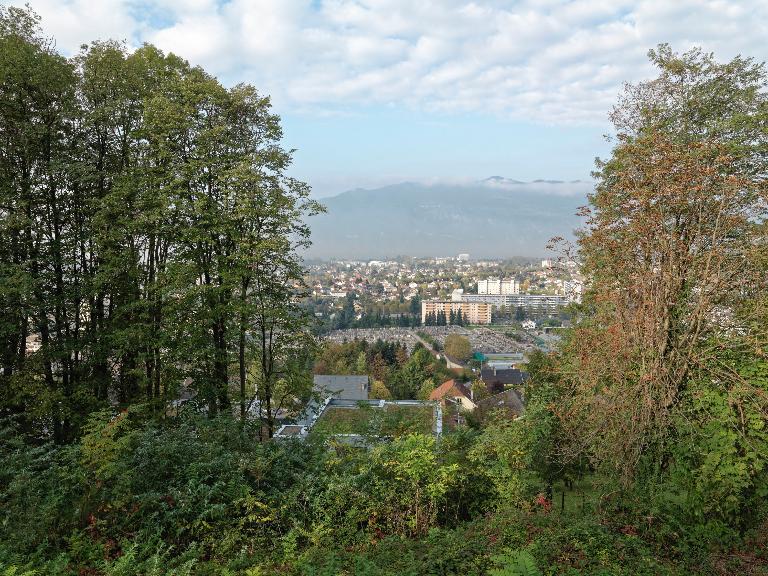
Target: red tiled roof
[(449, 388)]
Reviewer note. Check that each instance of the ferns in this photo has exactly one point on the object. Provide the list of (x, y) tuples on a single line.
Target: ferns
[(519, 563)]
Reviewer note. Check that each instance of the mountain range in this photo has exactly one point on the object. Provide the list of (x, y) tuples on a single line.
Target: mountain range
[(493, 218)]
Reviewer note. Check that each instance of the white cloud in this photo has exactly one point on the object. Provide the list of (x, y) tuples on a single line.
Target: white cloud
[(552, 61), (75, 22)]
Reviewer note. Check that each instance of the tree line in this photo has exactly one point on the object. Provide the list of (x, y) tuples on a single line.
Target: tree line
[(440, 318), (373, 315), (148, 234)]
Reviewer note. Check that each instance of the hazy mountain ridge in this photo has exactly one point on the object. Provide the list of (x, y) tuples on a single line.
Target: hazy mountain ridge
[(497, 217)]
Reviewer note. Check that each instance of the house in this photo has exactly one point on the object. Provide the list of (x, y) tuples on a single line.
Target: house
[(510, 402), (451, 390), (342, 387), (495, 378)]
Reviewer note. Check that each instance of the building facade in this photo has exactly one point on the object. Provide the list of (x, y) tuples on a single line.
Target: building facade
[(472, 312), (535, 303), (497, 286)]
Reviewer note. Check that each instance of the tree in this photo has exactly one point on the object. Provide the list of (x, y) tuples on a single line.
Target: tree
[(426, 389), (415, 306), (401, 354), (671, 249), (405, 382), (380, 391), (458, 348), (547, 441), (37, 116), (361, 364), (481, 391), (379, 368)]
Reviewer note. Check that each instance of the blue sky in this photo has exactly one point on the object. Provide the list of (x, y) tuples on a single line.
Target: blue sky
[(377, 146), (374, 92)]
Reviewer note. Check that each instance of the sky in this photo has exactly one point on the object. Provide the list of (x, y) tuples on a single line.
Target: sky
[(375, 92)]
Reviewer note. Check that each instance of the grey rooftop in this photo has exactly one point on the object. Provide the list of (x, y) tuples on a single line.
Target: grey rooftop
[(342, 387)]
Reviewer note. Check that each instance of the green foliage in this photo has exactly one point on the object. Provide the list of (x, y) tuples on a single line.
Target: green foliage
[(379, 391), (107, 437), (151, 237), (198, 495), (157, 564), (458, 348), (40, 487), (427, 387), (719, 467), (519, 563), (407, 485), (16, 571), (502, 452), (387, 362)]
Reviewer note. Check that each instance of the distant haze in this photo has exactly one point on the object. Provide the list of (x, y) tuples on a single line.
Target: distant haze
[(494, 218)]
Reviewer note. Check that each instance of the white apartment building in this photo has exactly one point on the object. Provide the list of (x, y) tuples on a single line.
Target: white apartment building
[(573, 289), (536, 303), (498, 286)]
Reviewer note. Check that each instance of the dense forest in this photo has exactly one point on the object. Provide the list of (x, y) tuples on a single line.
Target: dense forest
[(150, 246)]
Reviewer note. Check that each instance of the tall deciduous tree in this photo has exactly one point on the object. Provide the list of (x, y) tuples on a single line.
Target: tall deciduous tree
[(150, 235), (670, 248), (37, 111)]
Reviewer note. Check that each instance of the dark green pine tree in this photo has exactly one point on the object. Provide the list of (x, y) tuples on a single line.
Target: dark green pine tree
[(415, 306)]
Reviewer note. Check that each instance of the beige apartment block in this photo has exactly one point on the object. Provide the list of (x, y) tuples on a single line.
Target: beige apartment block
[(473, 312)]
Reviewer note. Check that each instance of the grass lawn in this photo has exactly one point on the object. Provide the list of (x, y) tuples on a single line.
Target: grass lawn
[(337, 420), (393, 420), (401, 420)]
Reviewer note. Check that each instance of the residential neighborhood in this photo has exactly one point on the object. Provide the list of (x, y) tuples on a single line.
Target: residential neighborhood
[(404, 291)]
